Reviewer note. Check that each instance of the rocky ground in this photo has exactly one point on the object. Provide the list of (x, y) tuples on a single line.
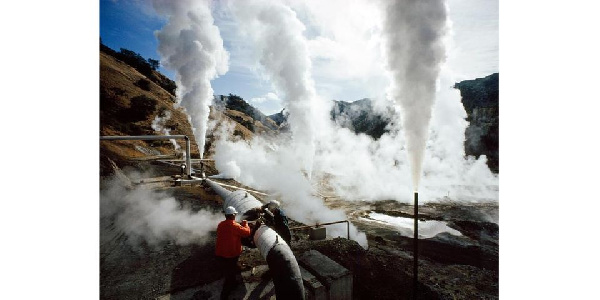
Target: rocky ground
[(450, 266)]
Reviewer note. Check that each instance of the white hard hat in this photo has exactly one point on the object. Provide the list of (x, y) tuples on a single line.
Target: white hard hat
[(273, 203), (230, 210)]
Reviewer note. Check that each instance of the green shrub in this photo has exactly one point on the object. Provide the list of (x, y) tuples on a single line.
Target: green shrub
[(142, 107), (143, 84)]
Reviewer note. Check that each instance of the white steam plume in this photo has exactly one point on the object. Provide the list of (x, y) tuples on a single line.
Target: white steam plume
[(277, 35), (191, 45), (159, 124), (415, 52), (152, 216)]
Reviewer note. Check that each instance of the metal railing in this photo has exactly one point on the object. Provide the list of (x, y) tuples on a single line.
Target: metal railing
[(188, 155), (324, 224)]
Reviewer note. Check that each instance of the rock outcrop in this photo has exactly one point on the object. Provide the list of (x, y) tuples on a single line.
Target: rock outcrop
[(480, 99)]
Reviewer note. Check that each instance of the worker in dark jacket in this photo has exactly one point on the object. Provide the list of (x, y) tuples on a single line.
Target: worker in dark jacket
[(276, 218), (229, 248)]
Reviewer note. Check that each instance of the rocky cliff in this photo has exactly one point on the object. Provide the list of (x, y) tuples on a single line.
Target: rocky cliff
[(480, 98), (360, 117)]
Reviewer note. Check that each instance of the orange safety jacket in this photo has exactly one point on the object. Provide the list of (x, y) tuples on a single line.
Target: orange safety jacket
[(229, 234)]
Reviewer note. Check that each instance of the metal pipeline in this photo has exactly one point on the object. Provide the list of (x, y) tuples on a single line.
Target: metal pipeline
[(282, 262), (188, 155)]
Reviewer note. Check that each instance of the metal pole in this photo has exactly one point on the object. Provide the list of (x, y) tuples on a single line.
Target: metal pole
[(348, 228), (416, 247), (188, 155)]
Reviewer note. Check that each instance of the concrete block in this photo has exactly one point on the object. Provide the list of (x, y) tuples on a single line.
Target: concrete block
[(337, 279), (313, 289), (318, 233)]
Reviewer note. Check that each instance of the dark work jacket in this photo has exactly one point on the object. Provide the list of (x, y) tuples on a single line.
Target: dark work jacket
[(280, 224)]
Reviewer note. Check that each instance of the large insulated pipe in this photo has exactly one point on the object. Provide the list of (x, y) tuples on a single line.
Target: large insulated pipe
[(188, 155), (282, 262)]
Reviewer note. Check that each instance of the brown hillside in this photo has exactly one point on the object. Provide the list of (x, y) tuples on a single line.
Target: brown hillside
[(245, 120), (239, 130), (119, 84), (129, 102)]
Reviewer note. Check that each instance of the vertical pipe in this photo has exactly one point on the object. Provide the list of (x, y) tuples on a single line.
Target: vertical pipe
[(188, 157), (348, 228), (416, 246)]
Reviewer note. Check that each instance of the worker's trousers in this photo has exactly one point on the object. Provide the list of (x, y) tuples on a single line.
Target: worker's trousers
[(230, 270)]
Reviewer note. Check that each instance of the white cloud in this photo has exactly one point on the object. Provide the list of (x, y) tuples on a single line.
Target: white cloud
[(258, 101), (473, 49), (345, 47), (268, 104)]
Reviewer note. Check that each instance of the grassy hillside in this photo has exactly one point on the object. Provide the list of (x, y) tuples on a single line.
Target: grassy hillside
[(131, 101)]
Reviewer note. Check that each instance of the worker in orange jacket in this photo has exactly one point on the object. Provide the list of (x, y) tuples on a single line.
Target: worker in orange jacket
[(229, 247)]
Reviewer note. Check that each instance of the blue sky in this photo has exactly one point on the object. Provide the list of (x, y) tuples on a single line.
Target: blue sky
[(345, 57), (131, 25)]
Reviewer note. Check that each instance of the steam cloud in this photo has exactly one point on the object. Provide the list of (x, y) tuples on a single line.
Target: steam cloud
[(191, 45), (145, 214), (277, 171), (357, 167), (277, 35), (283, 166), (159, 124), (415, 52)]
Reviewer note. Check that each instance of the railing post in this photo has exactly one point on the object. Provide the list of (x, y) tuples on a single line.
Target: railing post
[(188, 157)]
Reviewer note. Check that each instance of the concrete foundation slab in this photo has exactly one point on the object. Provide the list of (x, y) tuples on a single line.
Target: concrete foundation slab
[(318, 233), (313, 288), (337, 279)]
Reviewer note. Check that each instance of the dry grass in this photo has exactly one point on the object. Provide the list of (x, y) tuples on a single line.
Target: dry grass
[(119, 83), (117, 87)]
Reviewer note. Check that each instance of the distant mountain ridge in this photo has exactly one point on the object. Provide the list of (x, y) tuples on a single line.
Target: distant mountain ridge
[(359, 117), (280, 117), (237, 103)]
